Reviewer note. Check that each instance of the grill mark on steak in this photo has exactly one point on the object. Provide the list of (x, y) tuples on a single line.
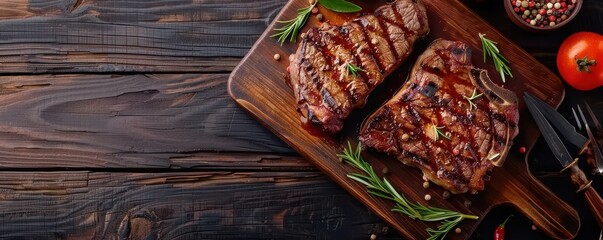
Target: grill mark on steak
[(371, 27), (363, 53), (377, 43), (328, 36), (434, 96)]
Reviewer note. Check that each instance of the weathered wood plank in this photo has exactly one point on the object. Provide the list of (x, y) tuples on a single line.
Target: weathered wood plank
[(69, 36), (115, 121), (185, 205)]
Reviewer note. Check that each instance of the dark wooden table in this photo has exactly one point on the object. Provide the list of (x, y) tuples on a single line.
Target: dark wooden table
[(115, 124)]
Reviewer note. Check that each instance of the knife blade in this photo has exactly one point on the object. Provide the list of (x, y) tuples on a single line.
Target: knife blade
[(565, 128), (547, 131)]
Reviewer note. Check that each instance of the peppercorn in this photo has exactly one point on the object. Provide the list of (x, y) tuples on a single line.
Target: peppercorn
[(549, 5), (455, 151), (446, 194), (522, 150), (552, 18), (277, 57), (320, 17), (425, 184), (526, 12), (542, 10)]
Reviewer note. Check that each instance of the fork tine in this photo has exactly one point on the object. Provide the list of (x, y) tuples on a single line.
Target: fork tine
[(577, 119), (593, 143), (593, 117)]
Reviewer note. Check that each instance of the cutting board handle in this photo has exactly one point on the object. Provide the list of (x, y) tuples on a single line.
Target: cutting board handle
[(547, 211)]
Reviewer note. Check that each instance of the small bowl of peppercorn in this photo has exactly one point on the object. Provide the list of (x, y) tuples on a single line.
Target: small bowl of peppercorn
[(542, 15)]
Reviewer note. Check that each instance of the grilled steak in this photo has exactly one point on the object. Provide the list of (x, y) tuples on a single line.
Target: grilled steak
[(431, 124), (325, 88)]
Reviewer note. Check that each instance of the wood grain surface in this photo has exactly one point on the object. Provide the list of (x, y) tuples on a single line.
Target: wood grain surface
[(82, 158), (129, 36), (179, 205)]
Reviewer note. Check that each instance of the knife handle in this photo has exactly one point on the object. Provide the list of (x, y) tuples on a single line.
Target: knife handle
[(592, 197)]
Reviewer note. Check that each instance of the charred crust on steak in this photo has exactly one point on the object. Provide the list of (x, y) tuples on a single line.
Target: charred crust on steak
[(377, 43), (435, 96)]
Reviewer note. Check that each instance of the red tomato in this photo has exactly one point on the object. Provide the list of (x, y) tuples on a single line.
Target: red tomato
[(580, 60)]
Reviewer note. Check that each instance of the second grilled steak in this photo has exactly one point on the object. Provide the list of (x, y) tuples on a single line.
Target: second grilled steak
[(435, 124), (325, 89)]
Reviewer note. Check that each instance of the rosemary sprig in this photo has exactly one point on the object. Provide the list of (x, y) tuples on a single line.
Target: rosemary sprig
[(473, 97), (291, 27), (353, 70), (500, 62), (382, 188), (438, 133)]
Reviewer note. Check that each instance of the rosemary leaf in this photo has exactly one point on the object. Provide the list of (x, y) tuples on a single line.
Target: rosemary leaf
[(353, 69), (291, 27), (382, 188), (500, 62)]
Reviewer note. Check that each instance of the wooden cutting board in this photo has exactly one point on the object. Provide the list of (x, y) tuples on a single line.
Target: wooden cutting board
[(258, 85)]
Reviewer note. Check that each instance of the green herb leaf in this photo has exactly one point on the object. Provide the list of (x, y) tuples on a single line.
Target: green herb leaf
[(292, 26), (341, 6), (500, 62), (474, 95), (438, 133), (380, 187), (353, 70)]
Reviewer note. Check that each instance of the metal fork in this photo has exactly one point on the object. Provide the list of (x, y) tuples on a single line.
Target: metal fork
[(597, 124), (596, 150)]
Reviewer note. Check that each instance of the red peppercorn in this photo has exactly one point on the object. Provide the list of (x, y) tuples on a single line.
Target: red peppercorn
[(563, 4), (522, 9), (531, 4), (522, 150), (542, 12), (516, 9), (552, 18), (455, 151), (513, 3), (288, 69)]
